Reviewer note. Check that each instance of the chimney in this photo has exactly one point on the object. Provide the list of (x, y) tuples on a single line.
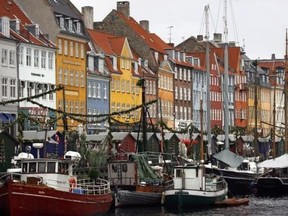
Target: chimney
[(145, 25), (273, 56), (217, 37), (87, 12), (124, 7), (15, 25), (199, 37)]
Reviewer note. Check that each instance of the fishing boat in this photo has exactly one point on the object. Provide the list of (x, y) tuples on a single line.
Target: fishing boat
[(136, 183), (44, 186), (192, 187)]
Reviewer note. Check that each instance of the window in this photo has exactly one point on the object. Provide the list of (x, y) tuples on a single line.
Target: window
[(94, 90), (60, 76), (71, 48), (76, 107), (36, 58), (66, 77), (89, 89), (78, 26), (77, 78), (70, 26), (82, 51), (13, 88), (50, 60), (43, 59), (32, 167), (71, 80), (71, 106), (12, 58), (65, 47), (122, 63), (123, 85), (62, 23), (41, 167), (76, 50), (4, 59), (98, 90), (4, 87), (51, 167), (59, 46), (82, 79), (105, 90), (21, 55), (28, 56), (44, 90), (128, 86)]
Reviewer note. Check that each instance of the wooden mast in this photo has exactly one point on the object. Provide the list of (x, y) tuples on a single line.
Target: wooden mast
[(286, 94)]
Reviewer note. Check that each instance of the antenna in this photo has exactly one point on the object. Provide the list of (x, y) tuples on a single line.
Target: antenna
[(170, 33), (225, 23)]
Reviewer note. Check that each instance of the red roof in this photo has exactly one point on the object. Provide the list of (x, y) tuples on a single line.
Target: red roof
[(150, 39), (11, 10)]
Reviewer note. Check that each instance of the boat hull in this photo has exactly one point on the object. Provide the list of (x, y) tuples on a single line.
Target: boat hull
[(193, 198), (136, 198), (24, 199), (272, 186), (239, 183)]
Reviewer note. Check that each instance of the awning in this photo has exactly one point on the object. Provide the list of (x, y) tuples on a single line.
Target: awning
[(229, 158), (3, 118), (279, 162), (11, 117)]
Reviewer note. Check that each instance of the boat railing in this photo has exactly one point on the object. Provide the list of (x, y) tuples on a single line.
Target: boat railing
[(127, 181), (99, 186), (13, 176)]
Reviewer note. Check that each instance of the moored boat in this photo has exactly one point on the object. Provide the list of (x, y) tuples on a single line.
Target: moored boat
[(192, 187), (48, 187)]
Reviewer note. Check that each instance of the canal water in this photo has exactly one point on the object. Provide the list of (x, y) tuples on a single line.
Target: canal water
[(257, 206)]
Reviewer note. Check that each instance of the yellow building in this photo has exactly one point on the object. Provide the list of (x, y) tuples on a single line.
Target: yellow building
[(125, 72), (71, 72)]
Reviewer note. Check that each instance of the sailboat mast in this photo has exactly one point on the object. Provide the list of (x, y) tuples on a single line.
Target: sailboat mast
[(208, 81), (286, 94), (225, 92)]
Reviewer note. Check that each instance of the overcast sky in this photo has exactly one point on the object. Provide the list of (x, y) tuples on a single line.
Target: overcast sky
[(257, 25)]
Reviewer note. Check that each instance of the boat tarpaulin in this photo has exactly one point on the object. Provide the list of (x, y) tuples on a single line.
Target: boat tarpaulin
[(229, 158), (278, 162)]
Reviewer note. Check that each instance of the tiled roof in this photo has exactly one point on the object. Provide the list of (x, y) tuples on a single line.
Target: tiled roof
[(102, 40), (117, 44), (11, 10), (149, 38), (64, 7)]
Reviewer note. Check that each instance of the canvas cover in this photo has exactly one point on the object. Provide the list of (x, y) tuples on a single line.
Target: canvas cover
[(231, 159), (278, 162)]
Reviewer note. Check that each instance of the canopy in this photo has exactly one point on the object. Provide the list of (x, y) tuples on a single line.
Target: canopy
[(279, 162), (229, 158)]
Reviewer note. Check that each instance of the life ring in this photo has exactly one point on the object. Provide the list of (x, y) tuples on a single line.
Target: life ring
[(72, 183)]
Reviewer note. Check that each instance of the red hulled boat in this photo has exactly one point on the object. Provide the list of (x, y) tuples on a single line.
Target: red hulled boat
[(47, 187)]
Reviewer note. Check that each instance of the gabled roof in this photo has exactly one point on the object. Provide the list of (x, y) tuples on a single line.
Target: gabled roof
[(102, 40), (64, 7), (11, 10), (117, 44), (150, 39)]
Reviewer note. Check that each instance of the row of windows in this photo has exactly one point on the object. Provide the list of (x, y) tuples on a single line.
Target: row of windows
[(73, 78), (68, 24), (8, 57), (241, 114), (36, 58), (183, 74), (166, 82), (94, 90), (70, 48), (166, 108), (215, 114), (182, 93), (34, 89), (93, 111), (122, 85), (71, 106), (183, 113), (118, 107), (8, 89)]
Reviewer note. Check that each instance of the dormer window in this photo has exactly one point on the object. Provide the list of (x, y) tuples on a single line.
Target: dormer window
[(62, 23), (4, 26), (78, 28), (70, 25)]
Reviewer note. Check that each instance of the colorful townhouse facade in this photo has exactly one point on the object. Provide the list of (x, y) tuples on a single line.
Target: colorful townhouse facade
[(63, 23), (35, 66), (146, 45), (125, 72)]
